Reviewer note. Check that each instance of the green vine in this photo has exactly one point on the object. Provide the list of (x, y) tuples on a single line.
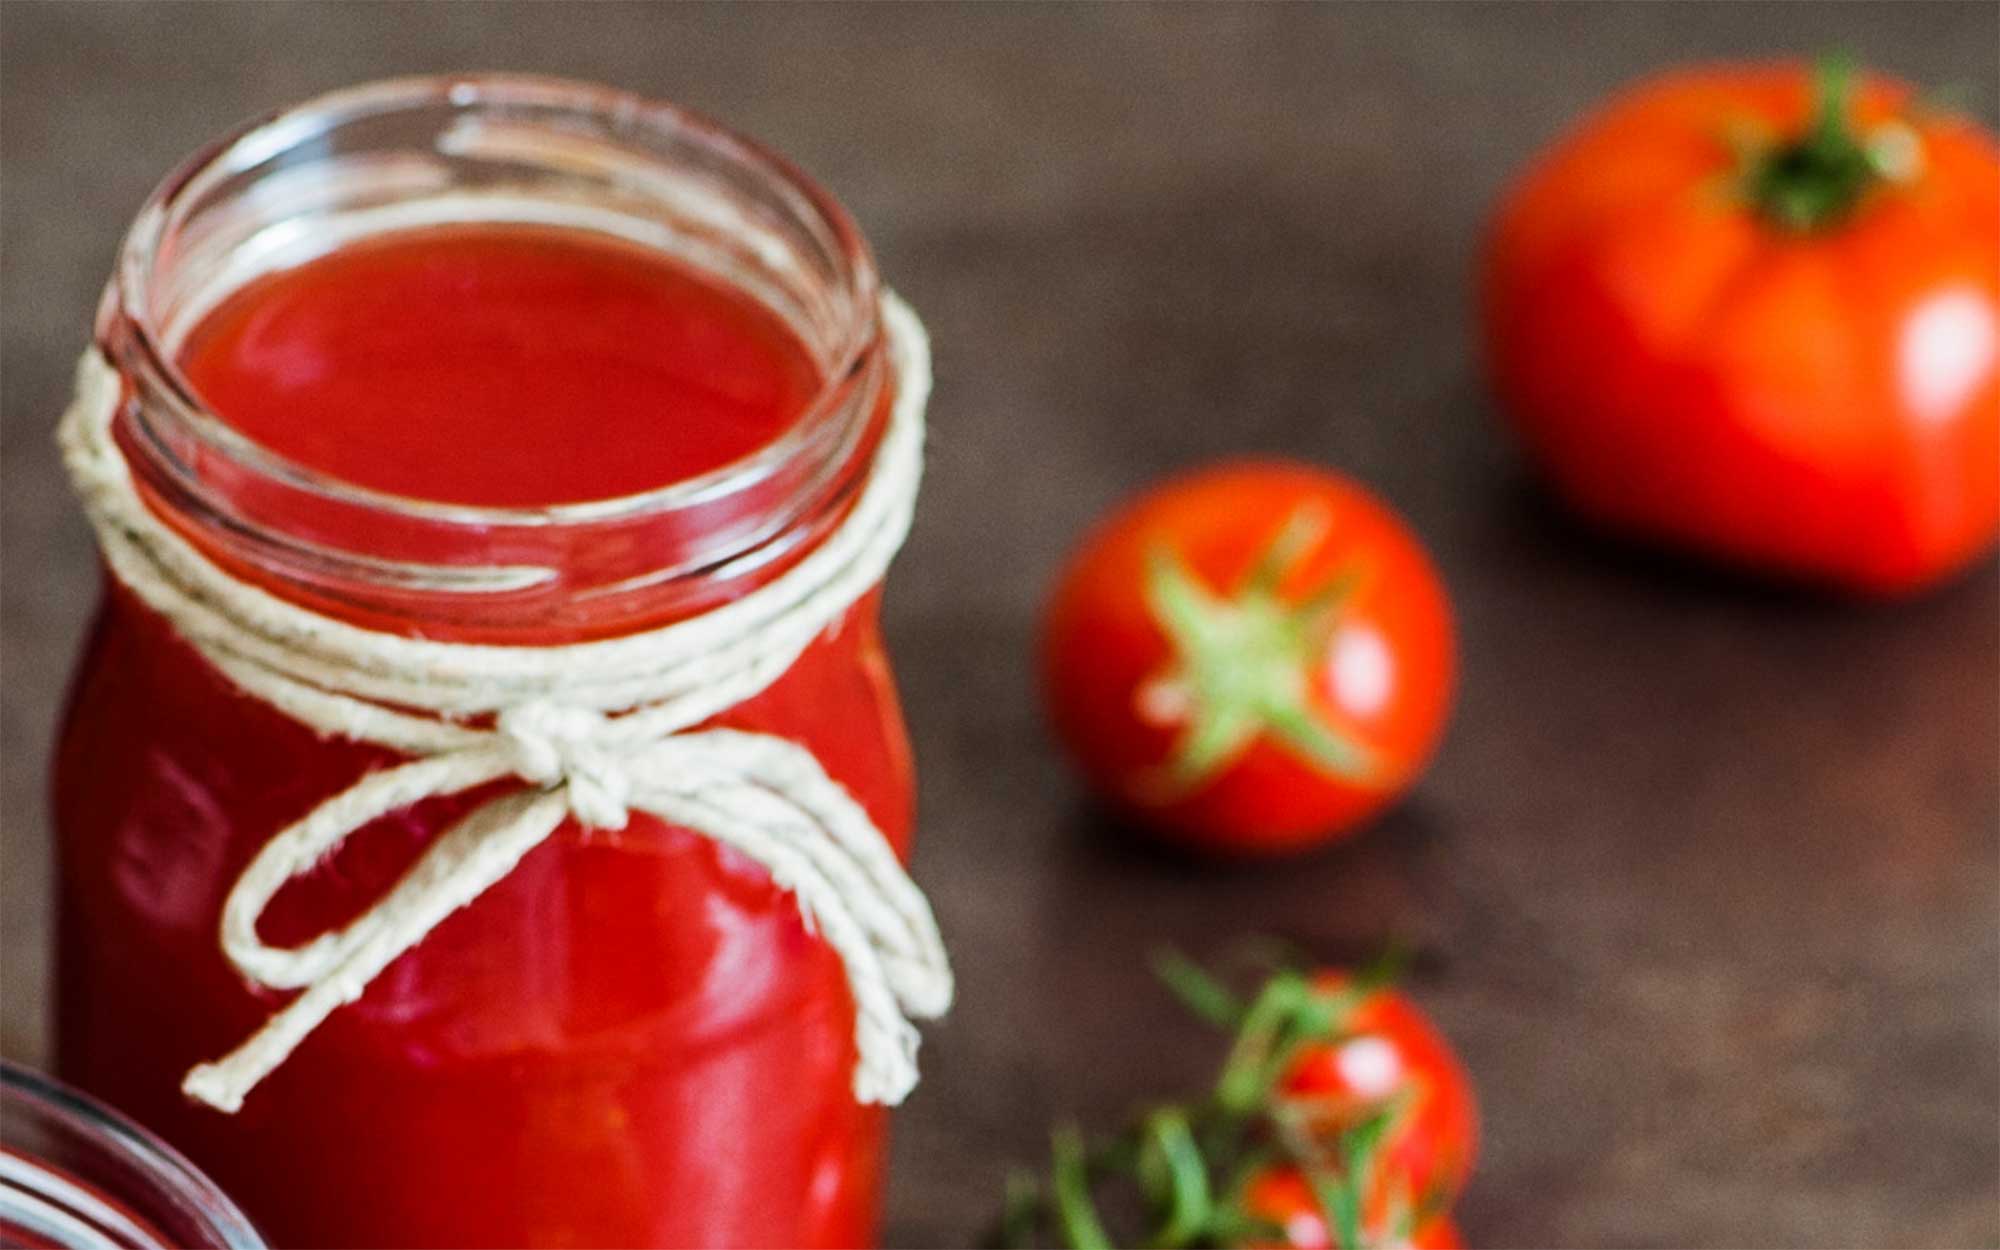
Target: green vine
[(1186, 1167)]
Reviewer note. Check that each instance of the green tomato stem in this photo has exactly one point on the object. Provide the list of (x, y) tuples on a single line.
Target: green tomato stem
[(1817, 180)]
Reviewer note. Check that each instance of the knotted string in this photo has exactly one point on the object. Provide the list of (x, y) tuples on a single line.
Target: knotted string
[(598, 730)]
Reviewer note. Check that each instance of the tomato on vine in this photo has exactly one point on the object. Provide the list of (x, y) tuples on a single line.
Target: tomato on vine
[(1340, 1120), (1252, 658), (1387, 1054)]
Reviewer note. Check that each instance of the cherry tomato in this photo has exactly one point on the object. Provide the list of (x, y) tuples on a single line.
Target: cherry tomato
[(1754, 312), (1282, 1196), (1251, 658), (1388, 1059)]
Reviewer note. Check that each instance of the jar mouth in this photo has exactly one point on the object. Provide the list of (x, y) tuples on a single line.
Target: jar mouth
[(505, 119), (102, 1179)]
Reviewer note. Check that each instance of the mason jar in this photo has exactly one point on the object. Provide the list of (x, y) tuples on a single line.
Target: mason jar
[(496, 360)]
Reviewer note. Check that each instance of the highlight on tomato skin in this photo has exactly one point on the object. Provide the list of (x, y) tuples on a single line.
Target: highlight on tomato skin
[(1252, 658), (1752, 312)]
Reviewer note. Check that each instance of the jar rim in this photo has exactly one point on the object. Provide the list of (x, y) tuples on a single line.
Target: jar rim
[(143, 347), (122, 1142)]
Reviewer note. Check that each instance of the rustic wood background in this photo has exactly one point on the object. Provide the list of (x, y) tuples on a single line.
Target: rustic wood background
[(1706, 882)]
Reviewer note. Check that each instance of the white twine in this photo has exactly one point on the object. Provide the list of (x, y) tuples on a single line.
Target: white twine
[(599, 729)]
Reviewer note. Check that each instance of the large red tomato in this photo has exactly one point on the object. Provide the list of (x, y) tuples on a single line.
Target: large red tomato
[(1250, 658), (1755, 312)]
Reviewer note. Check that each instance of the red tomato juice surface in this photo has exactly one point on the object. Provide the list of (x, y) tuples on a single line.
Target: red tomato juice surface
[(632, 1039)]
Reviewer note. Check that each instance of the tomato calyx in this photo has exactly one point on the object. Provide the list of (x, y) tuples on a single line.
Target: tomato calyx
[(1242, 663), (1816, 180), (1258, 1161)]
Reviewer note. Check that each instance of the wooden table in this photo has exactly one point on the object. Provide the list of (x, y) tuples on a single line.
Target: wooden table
[(1706, 882)]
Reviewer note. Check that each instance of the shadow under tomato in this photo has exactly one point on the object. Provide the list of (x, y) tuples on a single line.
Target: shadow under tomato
[(1533, 523), (1345, 903), (1534, 526)]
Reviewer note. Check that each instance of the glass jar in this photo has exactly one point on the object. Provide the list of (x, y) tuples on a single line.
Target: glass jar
[(75, 1175), (632, 1039)]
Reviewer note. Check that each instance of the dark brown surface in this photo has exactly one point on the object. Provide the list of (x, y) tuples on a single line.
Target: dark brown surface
[(1706, 882)]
